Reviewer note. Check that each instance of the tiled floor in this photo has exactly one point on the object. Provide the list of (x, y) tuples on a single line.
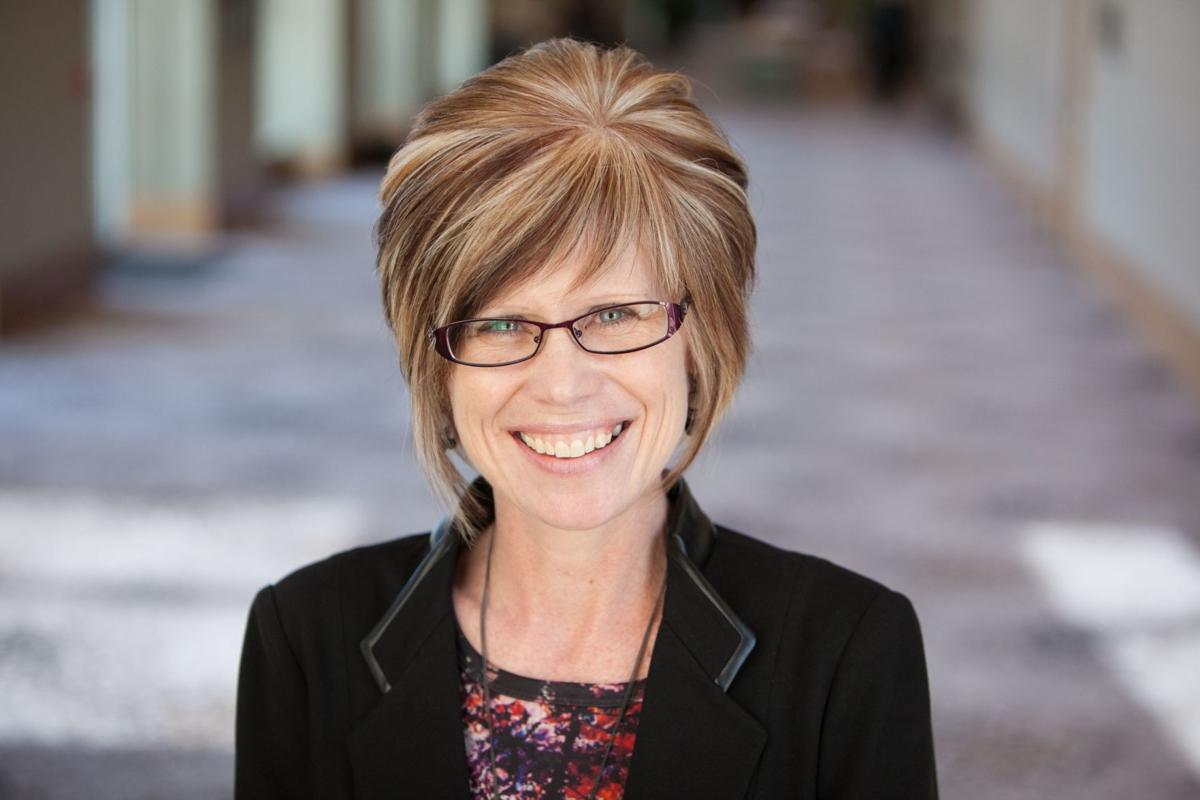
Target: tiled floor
[(933, 385)]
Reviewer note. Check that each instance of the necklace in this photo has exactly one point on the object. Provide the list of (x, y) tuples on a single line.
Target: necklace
[(487, 696)]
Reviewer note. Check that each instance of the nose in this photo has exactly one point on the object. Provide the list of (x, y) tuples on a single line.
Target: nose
[(563, 372)]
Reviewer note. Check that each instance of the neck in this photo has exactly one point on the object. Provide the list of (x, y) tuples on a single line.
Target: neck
[(577, 581)]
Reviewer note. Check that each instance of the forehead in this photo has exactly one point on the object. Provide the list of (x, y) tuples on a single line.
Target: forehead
[(563, 282)]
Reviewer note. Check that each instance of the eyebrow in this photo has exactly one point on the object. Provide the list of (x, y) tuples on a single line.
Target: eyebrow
[(595, 307)]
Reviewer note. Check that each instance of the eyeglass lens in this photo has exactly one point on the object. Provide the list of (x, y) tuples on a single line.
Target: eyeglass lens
[(610, 330)]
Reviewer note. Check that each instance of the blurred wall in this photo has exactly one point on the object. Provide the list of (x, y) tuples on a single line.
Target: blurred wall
[(1017, 84), (1141, 142), (1092, 106), (46, 238)]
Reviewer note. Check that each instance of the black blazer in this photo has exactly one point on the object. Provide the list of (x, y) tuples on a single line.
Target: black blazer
[(774, 675)]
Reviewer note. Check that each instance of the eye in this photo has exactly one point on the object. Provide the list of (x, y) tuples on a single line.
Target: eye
[(612, 316), (497, 326)]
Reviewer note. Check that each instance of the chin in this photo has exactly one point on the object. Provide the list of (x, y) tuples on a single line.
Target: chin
[(579, 508)]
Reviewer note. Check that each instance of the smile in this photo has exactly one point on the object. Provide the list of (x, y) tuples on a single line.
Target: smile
[(572, 445)]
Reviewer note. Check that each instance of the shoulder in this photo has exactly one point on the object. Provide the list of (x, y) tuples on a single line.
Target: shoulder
[(368, 565), (802, 595), (737, 554), (357, 583), (838, 674)]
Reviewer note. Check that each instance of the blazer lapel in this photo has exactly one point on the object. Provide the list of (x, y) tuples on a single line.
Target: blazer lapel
[(693, 740), (411, 745)]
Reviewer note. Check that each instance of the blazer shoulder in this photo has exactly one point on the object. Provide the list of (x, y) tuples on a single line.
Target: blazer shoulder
[(365, 576), (814, 585)]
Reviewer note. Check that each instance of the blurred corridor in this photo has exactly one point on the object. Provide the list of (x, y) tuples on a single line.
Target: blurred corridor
[(950, 402)]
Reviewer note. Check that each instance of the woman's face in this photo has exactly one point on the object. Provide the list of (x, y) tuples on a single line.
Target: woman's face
[(564, 394)]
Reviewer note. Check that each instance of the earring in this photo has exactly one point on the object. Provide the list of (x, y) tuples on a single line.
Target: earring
[(449, 440), (691, 418)]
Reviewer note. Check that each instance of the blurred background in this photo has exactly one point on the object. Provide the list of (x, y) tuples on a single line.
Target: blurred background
[(976, 375)]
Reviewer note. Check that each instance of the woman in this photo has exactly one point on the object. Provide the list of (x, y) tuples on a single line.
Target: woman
[(566, 249)]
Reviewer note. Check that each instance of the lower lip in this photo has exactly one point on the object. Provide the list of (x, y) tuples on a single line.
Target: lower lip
[(573, 466)]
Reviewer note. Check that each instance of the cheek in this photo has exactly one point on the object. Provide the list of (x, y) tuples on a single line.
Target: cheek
[(477, 398), (464, 402), (456, 397), (666, 382)]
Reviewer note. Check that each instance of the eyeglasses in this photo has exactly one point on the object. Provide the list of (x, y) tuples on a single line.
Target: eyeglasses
[(500, 341)]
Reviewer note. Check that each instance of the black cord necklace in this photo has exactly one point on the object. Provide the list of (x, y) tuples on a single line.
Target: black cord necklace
[(487, 696)]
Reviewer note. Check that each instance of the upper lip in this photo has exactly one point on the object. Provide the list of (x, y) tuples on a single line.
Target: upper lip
[(573, 427)]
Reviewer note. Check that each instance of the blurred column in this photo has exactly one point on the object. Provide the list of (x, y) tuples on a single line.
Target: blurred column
[(172, 156), (403, 53), (47, 250), (111, 118), (462, 37), (172, 141), (394, 68), (302, 84)]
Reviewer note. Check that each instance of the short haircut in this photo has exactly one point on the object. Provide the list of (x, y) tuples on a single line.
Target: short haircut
[(565, 147)]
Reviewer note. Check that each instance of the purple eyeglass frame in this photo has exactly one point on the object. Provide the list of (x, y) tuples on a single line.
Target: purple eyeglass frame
[(676, 312)]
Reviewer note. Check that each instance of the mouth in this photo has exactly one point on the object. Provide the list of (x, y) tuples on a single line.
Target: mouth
[(568, 446)]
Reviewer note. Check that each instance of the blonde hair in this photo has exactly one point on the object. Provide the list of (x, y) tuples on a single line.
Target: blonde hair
[(565, 147)]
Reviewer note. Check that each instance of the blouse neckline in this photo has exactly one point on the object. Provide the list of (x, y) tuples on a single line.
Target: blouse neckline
[(523, 687)]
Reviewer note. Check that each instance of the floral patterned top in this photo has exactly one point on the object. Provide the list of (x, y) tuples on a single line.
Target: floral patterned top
[(550, 736)]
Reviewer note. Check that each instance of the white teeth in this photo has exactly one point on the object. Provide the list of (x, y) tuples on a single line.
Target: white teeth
[(534, 444), (576, 447)]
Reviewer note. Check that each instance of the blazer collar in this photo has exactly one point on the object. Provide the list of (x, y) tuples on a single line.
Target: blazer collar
[(693, 740)]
